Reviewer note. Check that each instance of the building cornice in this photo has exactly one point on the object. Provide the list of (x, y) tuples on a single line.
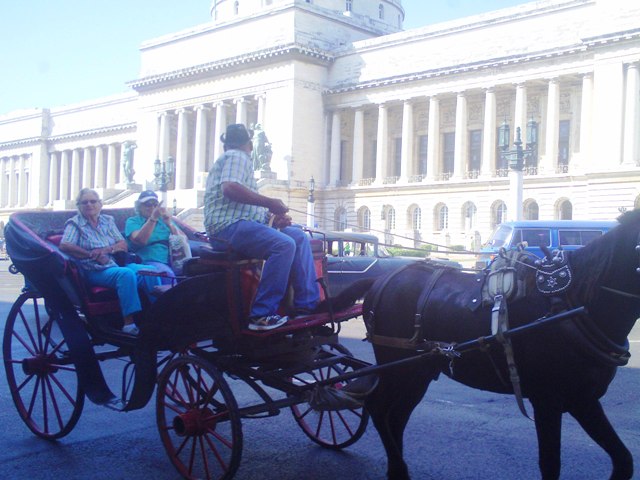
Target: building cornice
[(23, 142), (586, 44), (226, 64)]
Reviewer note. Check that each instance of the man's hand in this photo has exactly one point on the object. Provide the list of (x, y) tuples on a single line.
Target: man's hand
[(281, 221), (277, 206)]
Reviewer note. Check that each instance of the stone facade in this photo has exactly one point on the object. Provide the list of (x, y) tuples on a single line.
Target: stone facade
[(399, 129)]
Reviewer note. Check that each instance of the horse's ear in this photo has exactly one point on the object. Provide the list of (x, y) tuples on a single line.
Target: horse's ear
[(547, 252)]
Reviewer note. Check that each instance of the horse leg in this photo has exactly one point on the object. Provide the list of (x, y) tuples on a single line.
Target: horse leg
[(548, 420), (390, 406), (591, 417)]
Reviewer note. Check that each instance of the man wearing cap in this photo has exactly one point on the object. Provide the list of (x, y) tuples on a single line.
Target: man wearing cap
[(148, 233), (236, 213)]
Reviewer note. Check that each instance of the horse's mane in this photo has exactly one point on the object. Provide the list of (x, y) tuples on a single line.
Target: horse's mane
[(594, 262)]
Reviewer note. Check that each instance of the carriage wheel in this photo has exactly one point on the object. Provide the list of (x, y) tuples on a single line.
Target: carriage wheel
[(198, 419), (43, 381), (331, 429)]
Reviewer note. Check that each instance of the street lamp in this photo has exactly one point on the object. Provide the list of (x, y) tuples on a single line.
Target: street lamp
[(164, 171), (516, 158), (311, 204)]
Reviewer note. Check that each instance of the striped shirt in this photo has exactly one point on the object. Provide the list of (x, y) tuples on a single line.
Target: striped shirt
[(220, 212), (78, 231)]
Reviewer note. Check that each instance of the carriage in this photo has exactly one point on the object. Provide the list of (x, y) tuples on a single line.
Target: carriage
[(60, 330)]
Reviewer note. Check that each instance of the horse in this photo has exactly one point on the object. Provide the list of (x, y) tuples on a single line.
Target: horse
[(562, 367)]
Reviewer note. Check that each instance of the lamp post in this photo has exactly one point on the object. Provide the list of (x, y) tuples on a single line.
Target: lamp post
[(516, 158), (311, 204), (163, 173)]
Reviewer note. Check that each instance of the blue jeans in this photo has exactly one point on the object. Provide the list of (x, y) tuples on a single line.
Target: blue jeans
[(288, 256), (125, 280), (166, 269)]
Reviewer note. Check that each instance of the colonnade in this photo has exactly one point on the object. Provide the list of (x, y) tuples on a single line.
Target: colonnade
[(546, 101), (14, 181), (185, 134)]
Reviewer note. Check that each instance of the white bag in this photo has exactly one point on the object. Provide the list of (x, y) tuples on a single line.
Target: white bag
[(179, 252)]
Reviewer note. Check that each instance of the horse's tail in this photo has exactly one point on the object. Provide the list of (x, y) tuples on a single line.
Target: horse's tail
[(347, 297)]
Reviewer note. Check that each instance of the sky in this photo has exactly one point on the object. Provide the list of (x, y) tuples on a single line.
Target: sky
[(56, 53)]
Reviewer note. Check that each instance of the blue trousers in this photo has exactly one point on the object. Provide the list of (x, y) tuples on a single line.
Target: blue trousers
[(287, 254), (125, 280), (166, 269)]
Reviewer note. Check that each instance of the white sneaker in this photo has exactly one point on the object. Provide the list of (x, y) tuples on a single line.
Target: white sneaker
[(268, 322), (131, 329)]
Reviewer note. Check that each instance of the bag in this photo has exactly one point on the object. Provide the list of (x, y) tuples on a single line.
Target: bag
[(179, 252)]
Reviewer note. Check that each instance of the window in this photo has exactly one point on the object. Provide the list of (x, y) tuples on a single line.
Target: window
[(364, 219), (531, 211), (443, 218), (533, 236), (448, 152), (381, 12), (348, 6), (423, 148), (470, 212), (499, 215), (563, 143), (340, 219), (475, 151), (397, 157), (236, 7), (370, 167), (565, 210), (416, 219), (501, 162), (391, 219)]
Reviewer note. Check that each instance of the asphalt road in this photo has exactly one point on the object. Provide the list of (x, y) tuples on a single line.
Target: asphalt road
[(455, 433)]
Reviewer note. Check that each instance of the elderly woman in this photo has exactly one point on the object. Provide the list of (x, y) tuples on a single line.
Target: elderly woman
[(149, 232), (93, 238)]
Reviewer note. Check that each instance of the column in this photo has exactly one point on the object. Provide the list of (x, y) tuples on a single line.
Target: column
[(164, 150), (4, 197), (631, 143), (87, 178), (182, 149), (22, 181), (200, 153), (64, 175), (358, 146), (586, 120), (520, 116), (406, 156), (221, 126), (460, 155), (489, 134), (382, 143), (334, 156), (433, 147), (550, 158), (54, 178), (111, 166), (12, 194), (241, 110), (100, 167), (262, 103), (75, 173)]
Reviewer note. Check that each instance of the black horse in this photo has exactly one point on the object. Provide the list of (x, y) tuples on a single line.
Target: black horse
[(566, 366)]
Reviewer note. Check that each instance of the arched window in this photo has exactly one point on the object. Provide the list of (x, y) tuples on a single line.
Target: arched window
[(416, 218), (364, 219), (391, 219), (469, 215), (442, 217), (531, 210), (348, 6), (565, 210), (499, 214), (381, 12), (340, 219)]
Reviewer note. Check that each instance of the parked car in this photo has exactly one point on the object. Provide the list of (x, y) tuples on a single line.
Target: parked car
[(354, 256), (568, 234)]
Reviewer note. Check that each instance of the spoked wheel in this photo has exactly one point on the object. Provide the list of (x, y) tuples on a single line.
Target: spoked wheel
[(198, 419), (331, 429), (43, 381)]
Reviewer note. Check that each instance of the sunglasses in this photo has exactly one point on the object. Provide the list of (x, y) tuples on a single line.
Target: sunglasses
[(150, 204), (87, 202)]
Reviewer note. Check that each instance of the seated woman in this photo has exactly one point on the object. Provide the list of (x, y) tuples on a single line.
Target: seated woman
[(93, 238), (149, 232)]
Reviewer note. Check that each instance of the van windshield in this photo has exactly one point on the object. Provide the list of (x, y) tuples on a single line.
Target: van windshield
[(499, 237)]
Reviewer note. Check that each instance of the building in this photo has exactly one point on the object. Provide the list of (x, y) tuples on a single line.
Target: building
[(400, 130)]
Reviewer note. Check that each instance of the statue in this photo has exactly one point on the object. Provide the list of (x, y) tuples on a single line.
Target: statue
[(262, 152), (127, 161)]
